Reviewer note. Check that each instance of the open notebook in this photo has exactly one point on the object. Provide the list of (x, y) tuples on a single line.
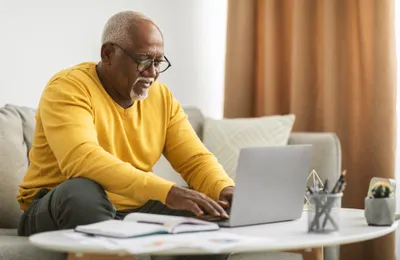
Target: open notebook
[(144, 224)]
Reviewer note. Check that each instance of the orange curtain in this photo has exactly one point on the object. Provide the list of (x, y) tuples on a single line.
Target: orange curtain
[(330, 62)]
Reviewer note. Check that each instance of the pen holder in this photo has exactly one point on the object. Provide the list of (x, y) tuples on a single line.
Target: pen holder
[(324, 213)]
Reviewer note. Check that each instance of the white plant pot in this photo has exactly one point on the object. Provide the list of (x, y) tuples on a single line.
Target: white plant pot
[(380, 211)]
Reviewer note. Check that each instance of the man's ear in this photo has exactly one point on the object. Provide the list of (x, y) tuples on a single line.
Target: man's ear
[(107, 53)]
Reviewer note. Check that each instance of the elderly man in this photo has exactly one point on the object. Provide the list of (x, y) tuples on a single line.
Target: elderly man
[(101, 128)]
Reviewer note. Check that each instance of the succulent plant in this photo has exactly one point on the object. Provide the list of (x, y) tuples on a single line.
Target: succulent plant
[(381, 190)]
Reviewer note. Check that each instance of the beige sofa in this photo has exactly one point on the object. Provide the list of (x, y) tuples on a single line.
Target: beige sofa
[(16, 131)]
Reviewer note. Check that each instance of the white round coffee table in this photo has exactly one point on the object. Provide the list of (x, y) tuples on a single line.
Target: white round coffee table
[(286, 236)]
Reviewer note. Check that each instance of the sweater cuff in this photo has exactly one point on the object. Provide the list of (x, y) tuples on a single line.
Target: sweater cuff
[(219, 187), (158, 188)]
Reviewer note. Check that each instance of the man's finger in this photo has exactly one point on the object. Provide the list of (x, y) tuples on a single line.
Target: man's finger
[(193, 207), (208, 207), (218, 207), (224, 204)]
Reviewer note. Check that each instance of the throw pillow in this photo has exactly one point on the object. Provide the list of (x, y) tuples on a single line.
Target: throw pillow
[(225, 137), (16, 130)]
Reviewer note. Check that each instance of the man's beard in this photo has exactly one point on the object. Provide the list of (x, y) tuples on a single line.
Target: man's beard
[(144, 91)]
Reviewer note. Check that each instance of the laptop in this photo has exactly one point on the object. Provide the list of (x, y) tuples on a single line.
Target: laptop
[(270, 185)]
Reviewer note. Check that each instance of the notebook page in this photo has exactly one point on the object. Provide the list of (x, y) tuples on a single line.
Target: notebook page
[(121, 229)]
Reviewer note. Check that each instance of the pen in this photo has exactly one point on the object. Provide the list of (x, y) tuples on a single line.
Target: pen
[(342, 186), (326, 186), (339, 183), (316, 186)]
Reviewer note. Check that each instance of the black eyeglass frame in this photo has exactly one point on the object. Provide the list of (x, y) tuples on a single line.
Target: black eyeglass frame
[(140, 62)]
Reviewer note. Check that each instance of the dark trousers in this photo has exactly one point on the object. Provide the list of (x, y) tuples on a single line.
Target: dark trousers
[(82, 201)]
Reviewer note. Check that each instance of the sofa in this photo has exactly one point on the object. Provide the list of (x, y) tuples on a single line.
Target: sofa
[(16, 132)]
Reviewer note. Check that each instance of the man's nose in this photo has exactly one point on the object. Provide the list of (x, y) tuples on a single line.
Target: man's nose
[(150, 72)]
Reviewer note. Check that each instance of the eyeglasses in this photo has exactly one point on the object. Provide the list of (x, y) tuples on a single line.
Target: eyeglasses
[(143, 65)]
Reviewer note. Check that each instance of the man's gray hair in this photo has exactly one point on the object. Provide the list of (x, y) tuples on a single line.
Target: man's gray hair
[(116, 30)]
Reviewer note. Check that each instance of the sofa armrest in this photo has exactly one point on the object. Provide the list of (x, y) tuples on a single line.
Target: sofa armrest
[(326, 158), (326, 161)]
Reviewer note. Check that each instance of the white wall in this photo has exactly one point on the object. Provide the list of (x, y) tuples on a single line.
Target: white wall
[(40, 37)]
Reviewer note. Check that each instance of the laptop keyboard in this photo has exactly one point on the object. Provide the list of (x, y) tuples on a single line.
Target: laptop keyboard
[(210, 218)]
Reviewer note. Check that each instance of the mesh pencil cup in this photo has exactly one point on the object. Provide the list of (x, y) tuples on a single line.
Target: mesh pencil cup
[(324, 212)]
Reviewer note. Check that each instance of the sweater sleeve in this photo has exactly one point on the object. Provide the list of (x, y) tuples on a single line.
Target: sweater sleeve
[(189, 157), (68, 122)]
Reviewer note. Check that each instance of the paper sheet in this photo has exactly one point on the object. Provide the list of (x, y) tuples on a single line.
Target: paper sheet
[(208, 241)]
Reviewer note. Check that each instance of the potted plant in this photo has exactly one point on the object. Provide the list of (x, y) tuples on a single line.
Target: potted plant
[(380, 204)]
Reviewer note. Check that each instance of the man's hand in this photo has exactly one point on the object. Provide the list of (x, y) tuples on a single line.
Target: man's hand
[(225, 197), (185, 199)]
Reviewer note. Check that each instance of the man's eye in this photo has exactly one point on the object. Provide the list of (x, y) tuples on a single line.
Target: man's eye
[(145, 61)]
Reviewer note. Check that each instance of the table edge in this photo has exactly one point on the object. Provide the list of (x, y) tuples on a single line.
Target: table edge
[(244, 249)]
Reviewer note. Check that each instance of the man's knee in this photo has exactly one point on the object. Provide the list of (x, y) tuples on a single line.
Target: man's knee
[(80, 201), (80, 185)]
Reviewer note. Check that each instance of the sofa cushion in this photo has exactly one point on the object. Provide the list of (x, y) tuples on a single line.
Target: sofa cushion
[(163, 168), (16, 130), (225, 137), (19, 248), (196, 119), (8, 232)]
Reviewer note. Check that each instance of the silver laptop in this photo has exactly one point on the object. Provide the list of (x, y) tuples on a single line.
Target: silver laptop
[(270, 185)]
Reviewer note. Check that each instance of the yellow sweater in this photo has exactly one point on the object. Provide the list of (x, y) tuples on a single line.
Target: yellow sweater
[(81, 132)]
